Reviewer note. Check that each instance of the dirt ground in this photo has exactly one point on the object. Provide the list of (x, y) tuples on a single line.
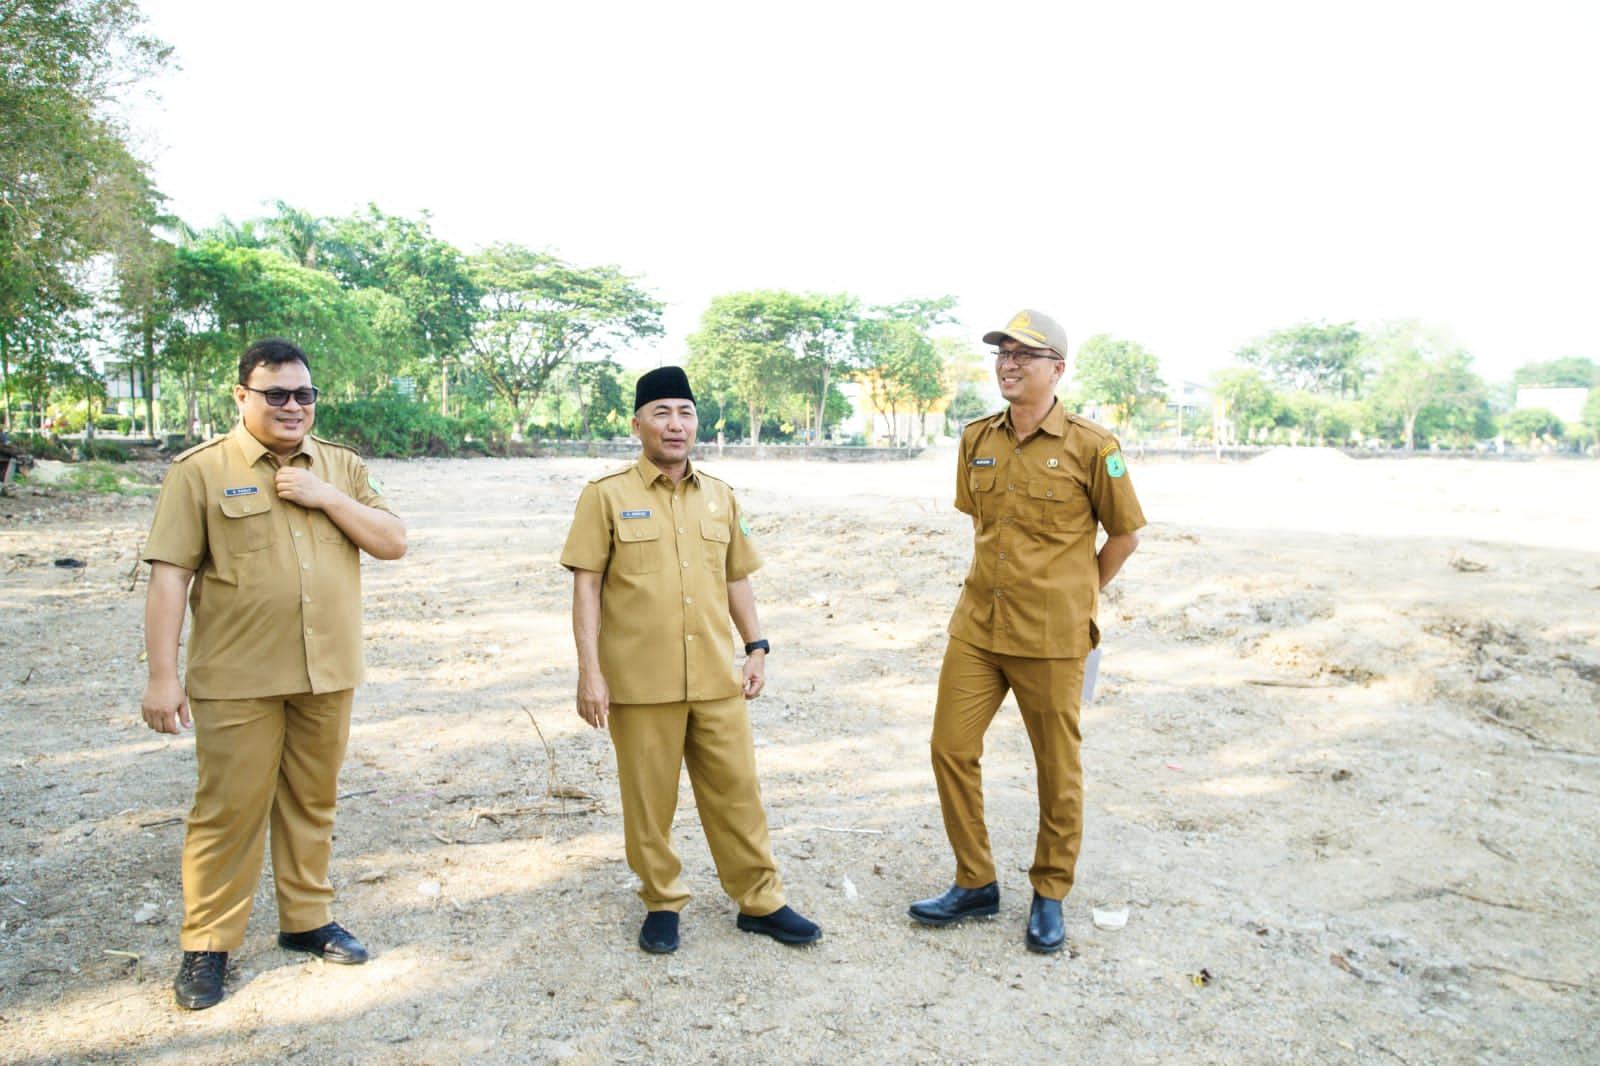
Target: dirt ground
[(1342, 776)]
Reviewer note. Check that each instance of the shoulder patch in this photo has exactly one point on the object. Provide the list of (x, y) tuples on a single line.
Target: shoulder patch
[(1114, 464), (333, 444), (198, 448)]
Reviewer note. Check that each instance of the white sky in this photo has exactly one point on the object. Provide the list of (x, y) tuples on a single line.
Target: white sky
[(1186, 175)]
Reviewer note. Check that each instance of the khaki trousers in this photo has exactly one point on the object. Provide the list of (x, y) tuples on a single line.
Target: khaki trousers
[(654, 741), (263, 760), (972, 684)]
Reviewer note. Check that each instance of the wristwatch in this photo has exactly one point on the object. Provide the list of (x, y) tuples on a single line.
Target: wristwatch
[(758, 645)]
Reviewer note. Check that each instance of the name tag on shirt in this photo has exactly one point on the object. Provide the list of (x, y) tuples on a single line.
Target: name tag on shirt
[(635, 514), (248, 490), (983, 462)]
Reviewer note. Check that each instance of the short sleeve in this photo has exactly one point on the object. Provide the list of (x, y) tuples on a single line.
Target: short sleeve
[(1116, 507), (178, 534), (964, 501), (588, 544), (743, 558), (367, 491)]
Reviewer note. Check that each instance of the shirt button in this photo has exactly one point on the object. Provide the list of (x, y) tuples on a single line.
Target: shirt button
[(305, 566), (1011, 488), (308, 599), (1049, 492), (308, 631), (682, 530), (297, 532), (689, 600), (1016, 451), (1002, 555), (686, 564), (689, 637), (999, 592)]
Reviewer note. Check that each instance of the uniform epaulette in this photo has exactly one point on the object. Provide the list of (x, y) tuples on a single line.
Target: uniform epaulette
[(202, 446), (333, 443), (981, 418), (701, 472), (611, 474), (1094, 428)]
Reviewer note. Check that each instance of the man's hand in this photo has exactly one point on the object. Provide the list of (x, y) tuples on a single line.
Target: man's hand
[(594, 698), (755, 674), (301, 486), (166, 706)]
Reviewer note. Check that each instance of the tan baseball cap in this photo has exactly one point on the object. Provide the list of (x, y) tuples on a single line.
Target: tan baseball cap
[(1034, 329)]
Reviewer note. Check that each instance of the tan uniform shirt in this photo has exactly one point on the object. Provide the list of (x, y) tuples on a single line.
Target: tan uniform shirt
[(276, 595), (1034, 584), (667, 552)]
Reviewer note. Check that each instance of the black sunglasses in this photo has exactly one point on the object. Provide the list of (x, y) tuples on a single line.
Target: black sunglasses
[(278, 397)]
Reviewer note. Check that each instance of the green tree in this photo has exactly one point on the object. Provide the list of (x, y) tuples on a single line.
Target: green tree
[(295, 233), (1245, 404), (900, 367), (1420, 371), (1530, 425), (431, 278), (823, 337), (1312, 357), (745, 351), (1567, 373), (1119, 375), (1591, 411), (64, 161), (539, 313)]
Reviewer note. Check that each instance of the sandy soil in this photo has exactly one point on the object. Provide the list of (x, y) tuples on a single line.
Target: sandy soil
[(1342, 775)]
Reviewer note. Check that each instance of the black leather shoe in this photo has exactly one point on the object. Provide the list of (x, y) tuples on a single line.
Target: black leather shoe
[(331, 942), (659, 934), (1046, 933), (958, 903), (782, 925), (199, 981)]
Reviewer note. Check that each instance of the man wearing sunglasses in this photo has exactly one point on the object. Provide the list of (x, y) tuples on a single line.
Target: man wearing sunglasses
[(1039, 484), (261, 532)]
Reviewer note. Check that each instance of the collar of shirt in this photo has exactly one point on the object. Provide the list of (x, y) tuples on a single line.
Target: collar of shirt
[(1055, 421), (650, 473), (253, 449)]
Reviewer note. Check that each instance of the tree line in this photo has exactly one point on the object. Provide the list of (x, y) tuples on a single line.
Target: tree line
[(417, 344), (1401, 384), (421, 348)]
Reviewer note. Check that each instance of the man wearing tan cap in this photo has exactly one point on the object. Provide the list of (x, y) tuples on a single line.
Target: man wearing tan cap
[(661, 559), (1039, 483)]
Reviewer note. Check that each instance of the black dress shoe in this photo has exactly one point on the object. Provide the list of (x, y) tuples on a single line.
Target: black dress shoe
[(331, 942), (199, 981), (958, 903), (782, 925), (1046, 933), (659, 934)]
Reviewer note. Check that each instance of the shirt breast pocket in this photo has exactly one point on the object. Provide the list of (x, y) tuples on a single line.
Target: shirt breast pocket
[(716, 536), (246, 523), (638, 546), (981, 484), (1060, 503)]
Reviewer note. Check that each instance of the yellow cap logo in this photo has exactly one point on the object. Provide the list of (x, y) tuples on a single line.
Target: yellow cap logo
[(1022, 324)]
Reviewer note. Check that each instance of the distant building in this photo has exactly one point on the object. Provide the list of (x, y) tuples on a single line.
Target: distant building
[(1191, 406), (1565, 403), (125, 386)]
